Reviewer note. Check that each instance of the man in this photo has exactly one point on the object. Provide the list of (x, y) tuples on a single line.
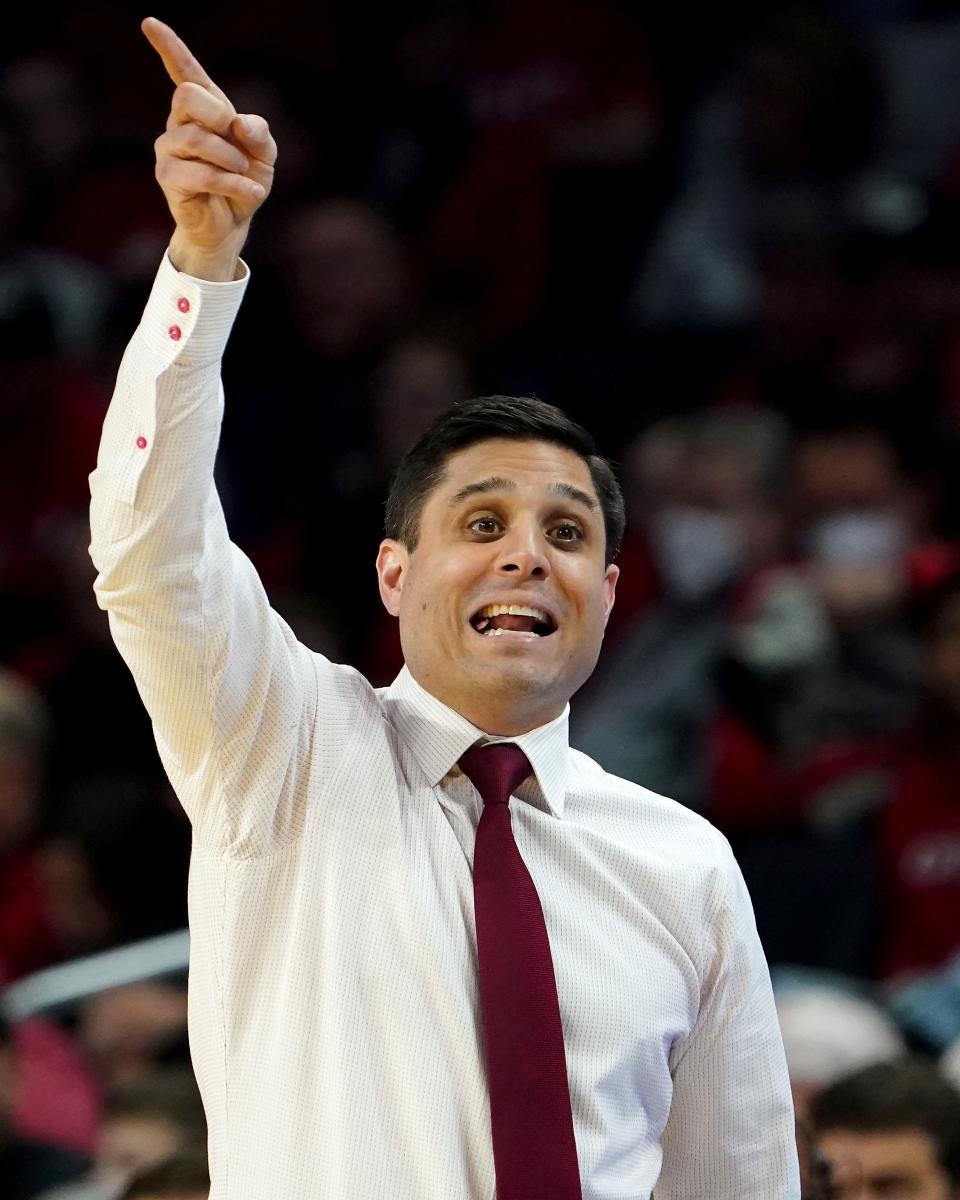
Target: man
[(890, 1132), (392, 994)]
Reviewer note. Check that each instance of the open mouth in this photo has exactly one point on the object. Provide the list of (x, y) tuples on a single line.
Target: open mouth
[(495, 620)]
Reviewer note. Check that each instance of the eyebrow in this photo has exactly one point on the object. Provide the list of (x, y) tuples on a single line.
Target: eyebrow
[(497, 483)]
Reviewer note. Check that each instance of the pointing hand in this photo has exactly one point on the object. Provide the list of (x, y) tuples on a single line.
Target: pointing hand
[(215, 167)]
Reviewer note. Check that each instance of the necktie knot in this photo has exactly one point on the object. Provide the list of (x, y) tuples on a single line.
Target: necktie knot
[(495, 771)]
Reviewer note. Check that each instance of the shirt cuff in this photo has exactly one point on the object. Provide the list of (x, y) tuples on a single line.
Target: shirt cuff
[(188, 320)]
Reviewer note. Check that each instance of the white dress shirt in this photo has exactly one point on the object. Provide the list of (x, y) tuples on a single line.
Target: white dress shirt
[(333, 992)]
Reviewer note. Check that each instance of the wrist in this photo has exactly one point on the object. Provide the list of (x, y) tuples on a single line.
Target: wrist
[(219, 265)]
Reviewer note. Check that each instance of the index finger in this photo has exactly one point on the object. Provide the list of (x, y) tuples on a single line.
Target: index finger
[(180, 63)]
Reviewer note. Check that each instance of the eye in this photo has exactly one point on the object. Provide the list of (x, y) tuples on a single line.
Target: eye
[(484, 525), (567, 532)]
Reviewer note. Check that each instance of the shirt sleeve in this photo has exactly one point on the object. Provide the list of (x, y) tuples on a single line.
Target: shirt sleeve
[(730, 1134), (232, 695)]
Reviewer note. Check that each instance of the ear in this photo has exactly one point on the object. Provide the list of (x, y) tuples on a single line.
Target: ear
[(392, 560), (610, 590)]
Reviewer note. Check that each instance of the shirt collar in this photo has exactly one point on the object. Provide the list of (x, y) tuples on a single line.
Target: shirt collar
[(438, 735)]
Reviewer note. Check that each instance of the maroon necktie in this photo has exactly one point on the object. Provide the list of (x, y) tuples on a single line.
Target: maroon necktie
[(533, 1145)]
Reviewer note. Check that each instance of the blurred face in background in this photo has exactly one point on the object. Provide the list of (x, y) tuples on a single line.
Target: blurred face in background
[(855, 518), (174, 1196), (24, 726), (704, 510), (891, 1165), (124, 1031), (857, 562), (943, 656), (347, 276), (130, 1144), (706, 538), (8, 1086), (419, 379), (19, 793)]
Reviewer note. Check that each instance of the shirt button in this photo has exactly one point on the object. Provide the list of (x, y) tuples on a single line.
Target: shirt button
[(175, 332), (183, 304), (142, 442)]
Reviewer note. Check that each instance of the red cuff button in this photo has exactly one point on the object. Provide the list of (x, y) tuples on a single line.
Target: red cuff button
[(175, 332), (142, 442), (183, 304)]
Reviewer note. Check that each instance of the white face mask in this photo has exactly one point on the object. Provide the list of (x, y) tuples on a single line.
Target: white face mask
[(698, 550), (857, 558), (858, 538)]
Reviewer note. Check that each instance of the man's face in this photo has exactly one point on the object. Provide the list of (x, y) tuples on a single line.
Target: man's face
[(899, 1165), (514, 523)]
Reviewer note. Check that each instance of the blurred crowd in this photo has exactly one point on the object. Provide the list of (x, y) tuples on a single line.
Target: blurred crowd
[(727, 241)]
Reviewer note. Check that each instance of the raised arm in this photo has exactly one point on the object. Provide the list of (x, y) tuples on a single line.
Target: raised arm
[(232, 695)]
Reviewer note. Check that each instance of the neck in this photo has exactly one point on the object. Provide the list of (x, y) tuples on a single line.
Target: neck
[(497, 717), (507, 724), (502, 720)]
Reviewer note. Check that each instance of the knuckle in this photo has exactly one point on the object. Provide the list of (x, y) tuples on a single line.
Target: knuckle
[(258, 126), (173, 173), (192, 136)]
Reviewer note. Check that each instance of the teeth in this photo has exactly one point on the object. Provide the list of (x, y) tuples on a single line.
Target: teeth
[(516, 610)]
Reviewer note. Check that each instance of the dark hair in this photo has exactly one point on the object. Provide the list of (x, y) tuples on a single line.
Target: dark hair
[(909, 1094), (180, 1175), (520, 418)]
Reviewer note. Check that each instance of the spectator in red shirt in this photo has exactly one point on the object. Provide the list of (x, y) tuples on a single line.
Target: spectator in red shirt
[(920, 825)]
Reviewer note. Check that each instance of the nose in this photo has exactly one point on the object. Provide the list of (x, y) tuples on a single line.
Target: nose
[(523, 553)]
